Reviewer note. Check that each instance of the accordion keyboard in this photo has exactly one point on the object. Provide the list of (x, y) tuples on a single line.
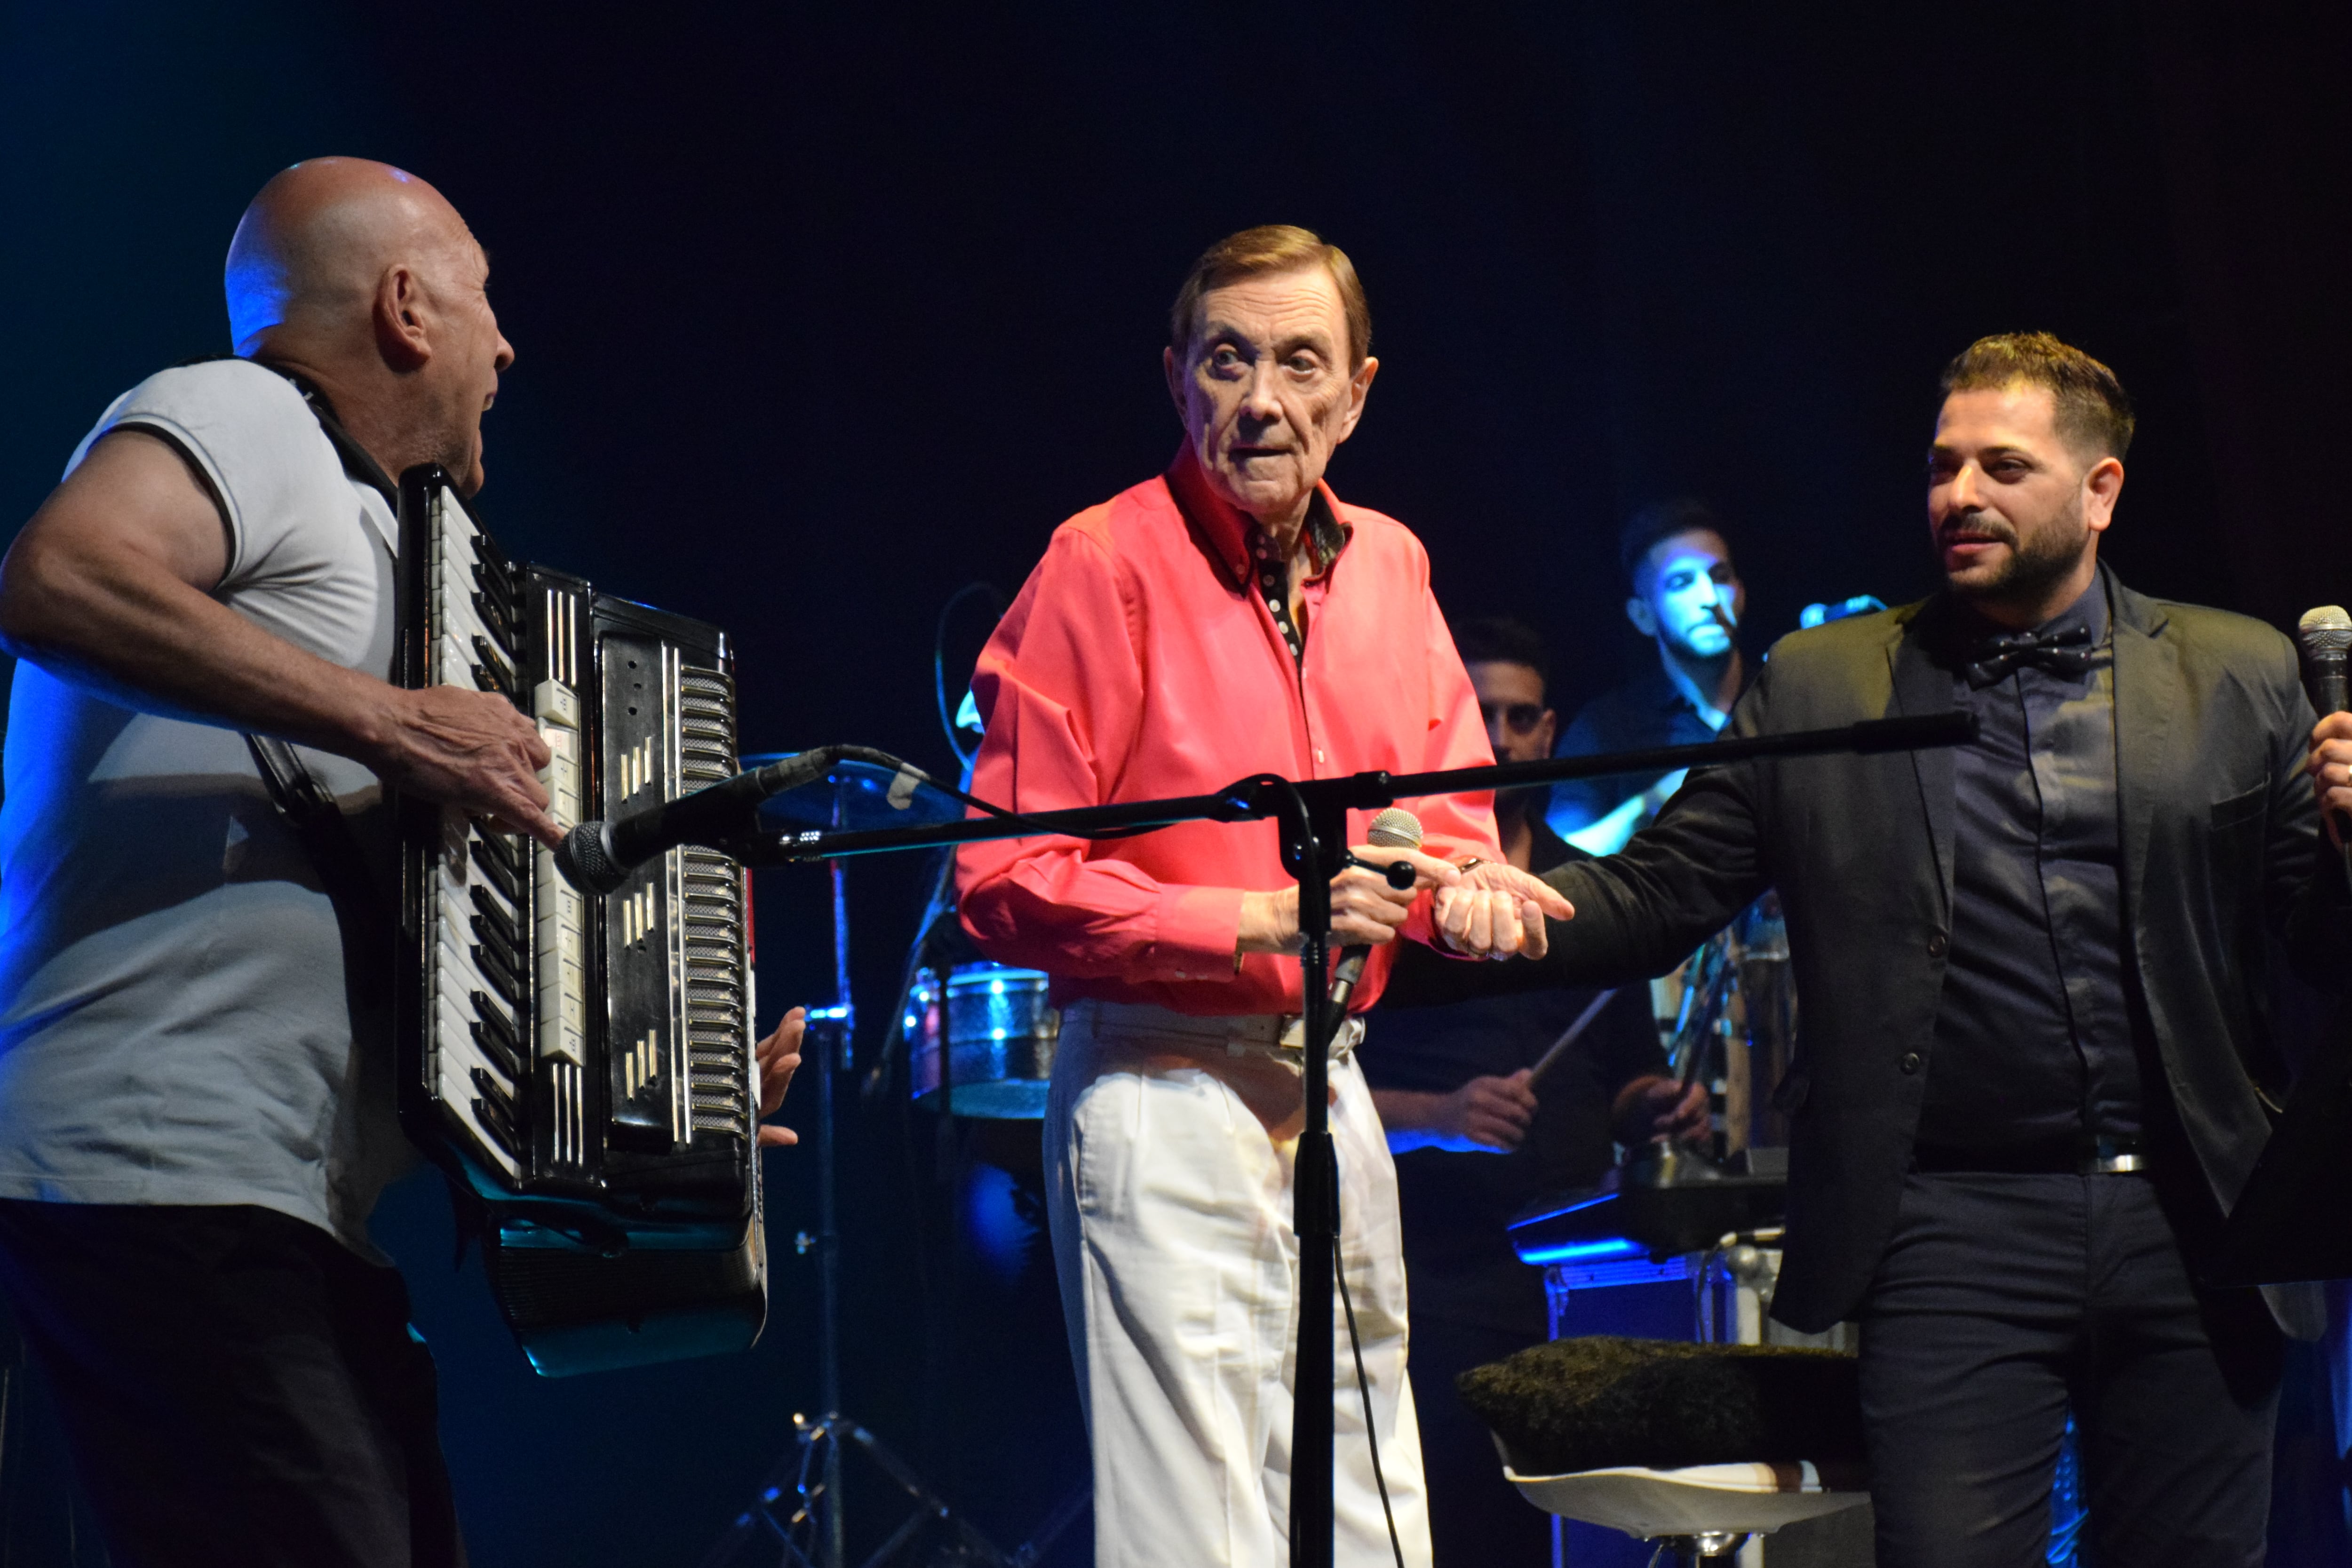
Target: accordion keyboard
[(571, 1036), (481, 960), (583, 1065)]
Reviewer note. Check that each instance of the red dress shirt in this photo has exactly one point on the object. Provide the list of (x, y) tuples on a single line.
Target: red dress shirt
[(1140, 661)]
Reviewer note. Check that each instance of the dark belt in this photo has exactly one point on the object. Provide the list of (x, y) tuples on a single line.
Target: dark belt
[(2072, 1156)]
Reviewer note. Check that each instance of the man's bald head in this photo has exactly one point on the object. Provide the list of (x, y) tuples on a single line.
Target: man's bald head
[(365, 282), (312, 248)]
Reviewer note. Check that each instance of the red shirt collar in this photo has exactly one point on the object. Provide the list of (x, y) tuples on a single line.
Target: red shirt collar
[(1228, 529)]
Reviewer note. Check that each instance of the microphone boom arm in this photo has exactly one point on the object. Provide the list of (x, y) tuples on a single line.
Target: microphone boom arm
[(597, 857), (1253, 798)]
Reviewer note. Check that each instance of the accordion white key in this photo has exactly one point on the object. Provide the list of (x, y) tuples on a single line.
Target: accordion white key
[(581, 1068)]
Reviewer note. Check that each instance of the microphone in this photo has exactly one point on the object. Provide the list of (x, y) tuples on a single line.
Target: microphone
[(2326, 634), (1393, 828), (597, 857)]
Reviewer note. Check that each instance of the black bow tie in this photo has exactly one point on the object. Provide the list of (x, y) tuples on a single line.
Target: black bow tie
[(2066, 652)]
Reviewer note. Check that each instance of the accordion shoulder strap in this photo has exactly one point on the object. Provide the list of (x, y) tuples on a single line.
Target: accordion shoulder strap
[(320, 826), (308, 806)]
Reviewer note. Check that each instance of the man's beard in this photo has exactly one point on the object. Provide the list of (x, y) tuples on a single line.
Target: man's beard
[(2037, 561)]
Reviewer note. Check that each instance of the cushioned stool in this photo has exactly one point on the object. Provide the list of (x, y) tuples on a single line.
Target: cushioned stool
[(1692, 1447)]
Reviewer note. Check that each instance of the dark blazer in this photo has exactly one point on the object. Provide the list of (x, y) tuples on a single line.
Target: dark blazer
[(2218, 834)]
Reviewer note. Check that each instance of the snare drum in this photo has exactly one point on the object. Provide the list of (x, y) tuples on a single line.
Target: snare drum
[(999, 1034)]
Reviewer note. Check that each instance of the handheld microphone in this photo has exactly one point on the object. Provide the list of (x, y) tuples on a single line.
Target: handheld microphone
[(1393, 828), (597, 857), (2326, 634)]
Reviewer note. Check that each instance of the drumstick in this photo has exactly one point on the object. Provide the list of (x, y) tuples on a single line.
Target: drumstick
[(1583, 1022)]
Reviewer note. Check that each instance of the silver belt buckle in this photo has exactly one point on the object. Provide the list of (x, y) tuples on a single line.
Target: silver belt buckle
[(2113, 1157), (1293, 1039)]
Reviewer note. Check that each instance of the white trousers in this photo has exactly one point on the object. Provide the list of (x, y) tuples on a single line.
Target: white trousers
[(1171, 1224)]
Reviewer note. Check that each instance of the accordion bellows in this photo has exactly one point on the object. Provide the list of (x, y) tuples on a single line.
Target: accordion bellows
[(1604, 1402)]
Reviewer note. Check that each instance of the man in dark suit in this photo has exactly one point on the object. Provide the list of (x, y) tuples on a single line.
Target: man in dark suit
[(2036, 1069)]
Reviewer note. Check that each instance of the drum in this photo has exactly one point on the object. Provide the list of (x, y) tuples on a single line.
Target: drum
[(999, 1036)]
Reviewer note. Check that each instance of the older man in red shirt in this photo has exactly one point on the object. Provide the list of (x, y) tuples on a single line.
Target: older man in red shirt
[(1230, 617)]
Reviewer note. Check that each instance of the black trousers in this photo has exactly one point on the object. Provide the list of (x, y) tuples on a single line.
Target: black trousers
[(2003, 1297), (236, 1387)]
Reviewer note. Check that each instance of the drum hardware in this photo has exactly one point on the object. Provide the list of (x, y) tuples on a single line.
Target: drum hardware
[(800, 1504)]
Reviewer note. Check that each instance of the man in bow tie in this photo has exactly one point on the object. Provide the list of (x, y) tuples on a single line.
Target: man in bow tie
[(2035, 1069)]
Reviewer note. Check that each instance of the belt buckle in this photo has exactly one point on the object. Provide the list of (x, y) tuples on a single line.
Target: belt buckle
[(1292, 1038), (2113, 1157)]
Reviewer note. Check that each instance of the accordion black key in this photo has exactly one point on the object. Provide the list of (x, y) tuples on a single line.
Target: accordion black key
[(581, 1068)]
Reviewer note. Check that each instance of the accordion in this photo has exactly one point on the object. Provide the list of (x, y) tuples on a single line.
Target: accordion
[(581, 1068)]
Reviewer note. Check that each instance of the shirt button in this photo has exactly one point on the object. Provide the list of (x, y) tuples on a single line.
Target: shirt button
[(1938, 945), (1909, 1064)]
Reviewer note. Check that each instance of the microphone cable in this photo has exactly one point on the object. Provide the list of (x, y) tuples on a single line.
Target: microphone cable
[(1364, 1387), (939, 665)]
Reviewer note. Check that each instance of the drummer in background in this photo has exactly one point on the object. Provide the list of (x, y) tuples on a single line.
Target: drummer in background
[(1448, 1053), (1686, 599)]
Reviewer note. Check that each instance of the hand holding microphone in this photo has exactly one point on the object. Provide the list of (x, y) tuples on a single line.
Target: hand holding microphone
[(1392, 830), (1368, 903), (2326, 634)]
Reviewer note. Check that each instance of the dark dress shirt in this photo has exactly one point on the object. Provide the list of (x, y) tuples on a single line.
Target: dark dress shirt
[(1647, 711), (2035, 1042), (1444, 1021)]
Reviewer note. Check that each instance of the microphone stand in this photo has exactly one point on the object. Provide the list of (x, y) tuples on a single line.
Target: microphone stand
[(1311, 816)]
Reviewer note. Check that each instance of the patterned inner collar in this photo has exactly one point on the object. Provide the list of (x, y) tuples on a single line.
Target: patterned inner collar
[(1326, 537)]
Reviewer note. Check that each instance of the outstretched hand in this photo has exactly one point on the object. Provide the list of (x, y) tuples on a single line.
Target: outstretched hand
[(1494, 909), (779, 1058)]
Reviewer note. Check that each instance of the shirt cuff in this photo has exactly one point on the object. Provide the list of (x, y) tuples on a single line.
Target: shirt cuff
[(1198, 930), (1421, 924)]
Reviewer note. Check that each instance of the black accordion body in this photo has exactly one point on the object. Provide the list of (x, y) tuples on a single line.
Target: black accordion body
[(582, 1067)]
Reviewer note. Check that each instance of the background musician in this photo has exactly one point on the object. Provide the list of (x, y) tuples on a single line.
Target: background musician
[(2035, 1067), (196, 1109), (1685, 597), (1449, 1053), (1227, 618)]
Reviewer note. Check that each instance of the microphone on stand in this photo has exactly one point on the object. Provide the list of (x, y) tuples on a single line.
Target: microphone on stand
[(2326, 634), (597, 857), (1393, 828)]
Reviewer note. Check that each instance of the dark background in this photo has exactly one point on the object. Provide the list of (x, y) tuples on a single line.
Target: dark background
[(823, 313)]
